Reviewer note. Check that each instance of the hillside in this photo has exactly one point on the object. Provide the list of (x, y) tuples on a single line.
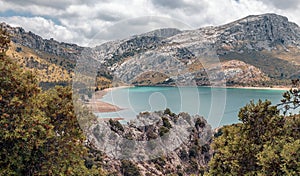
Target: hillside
[(268, 43), (53, 62)]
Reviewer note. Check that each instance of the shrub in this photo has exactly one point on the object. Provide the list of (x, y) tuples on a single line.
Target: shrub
[(116, 125), (128, 168), (166, 122), (163, 130)]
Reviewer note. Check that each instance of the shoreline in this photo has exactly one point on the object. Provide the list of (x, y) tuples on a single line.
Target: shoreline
[(230, 87), (256, 88), (99, 106)]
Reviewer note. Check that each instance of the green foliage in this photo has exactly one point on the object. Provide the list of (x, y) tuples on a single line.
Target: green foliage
[(168, 111), (193, 166), (274, 67), (39, 132), (265, 143), (128, 168), (24, 128), (291, 158), (116, 125), (193, 151), (199, 123), (4, 41), (163, 130), (161, 161), (183, 154), (69, 138), (260, 121), (291, 98), (166, 122)]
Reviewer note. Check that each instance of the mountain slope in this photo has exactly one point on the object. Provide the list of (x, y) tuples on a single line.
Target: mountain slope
[(268, 42), (52, 61)]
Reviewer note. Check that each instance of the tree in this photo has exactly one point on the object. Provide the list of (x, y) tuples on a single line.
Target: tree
[(291, 98), (128, 168), (4, 41), (24, 129), (39, 132), (66, 148), (260, 145)]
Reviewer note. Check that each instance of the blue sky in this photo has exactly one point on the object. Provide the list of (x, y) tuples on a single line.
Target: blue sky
[(88, 22)]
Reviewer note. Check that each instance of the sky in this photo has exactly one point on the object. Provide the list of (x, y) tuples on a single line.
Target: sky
[(91, 22)]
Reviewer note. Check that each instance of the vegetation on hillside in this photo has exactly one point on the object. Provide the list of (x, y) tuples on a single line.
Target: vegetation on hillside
[(279, 70)]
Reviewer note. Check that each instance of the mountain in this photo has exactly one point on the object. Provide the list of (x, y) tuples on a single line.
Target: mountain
[(254, 51), (52, 61), (268, 42)]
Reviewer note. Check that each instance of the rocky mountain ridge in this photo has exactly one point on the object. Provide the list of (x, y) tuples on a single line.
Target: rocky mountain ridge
[(37, 43), (268, 42), (267, 36)]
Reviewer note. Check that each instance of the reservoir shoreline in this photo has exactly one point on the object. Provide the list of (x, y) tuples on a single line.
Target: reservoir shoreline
[(99, 106)]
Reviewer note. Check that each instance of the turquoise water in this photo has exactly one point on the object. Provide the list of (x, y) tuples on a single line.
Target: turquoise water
[(220, 106)]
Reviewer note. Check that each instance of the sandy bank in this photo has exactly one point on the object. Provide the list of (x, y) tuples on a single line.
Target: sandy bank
[(98, 106), (260, 88)]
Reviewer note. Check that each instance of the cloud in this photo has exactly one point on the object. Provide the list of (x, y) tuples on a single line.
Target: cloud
[(171, 4), (79, 21), (286, 4), (134, 26), (57, 4), (46, 28)]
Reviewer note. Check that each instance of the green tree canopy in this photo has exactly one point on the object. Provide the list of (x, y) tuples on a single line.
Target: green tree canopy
[(265, 143), (39, 132)]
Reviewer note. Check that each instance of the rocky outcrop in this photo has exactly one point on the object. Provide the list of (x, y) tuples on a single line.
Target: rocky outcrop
[(158, 143), (238, 72)]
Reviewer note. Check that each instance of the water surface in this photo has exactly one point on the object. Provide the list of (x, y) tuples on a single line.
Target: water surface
[(220, 106)]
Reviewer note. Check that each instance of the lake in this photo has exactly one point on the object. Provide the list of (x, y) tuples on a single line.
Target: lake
[(220, 106)]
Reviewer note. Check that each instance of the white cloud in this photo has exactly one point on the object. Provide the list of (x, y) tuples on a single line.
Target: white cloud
[(41, 26), (78, 21)]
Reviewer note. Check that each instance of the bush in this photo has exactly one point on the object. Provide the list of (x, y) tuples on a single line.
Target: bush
[(166, 122), (199, 123), (183, 154), (128, 168), (116, 125), (163, 130), (168, 112), (193, 151), (161, 161)]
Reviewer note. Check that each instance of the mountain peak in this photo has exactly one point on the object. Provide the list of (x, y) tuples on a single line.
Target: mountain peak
[(260, 32)]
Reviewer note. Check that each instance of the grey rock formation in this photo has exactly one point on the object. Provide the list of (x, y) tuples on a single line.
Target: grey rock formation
[(158, 137)]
